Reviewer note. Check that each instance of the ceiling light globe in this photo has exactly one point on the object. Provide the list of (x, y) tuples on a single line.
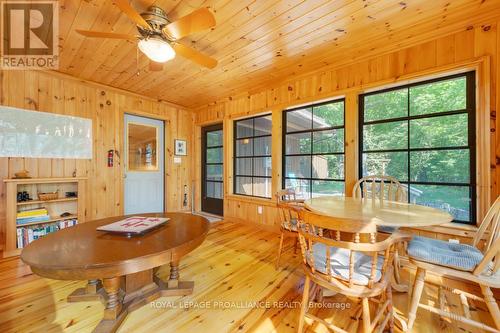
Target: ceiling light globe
[(156, 49)]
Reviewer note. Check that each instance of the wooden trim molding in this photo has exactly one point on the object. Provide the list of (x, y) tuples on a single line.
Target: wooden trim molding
[(254, 200), (276, 150), (351, 142)]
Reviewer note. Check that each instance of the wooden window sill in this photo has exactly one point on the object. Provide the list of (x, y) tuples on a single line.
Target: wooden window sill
[(249, 199)]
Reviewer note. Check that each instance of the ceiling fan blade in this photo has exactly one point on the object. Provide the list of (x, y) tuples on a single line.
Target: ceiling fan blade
[(99, 34), (193, 55), (198, 20), (155, 66), (132, 13)]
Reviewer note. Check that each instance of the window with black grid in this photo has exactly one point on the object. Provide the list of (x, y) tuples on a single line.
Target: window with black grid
[(313, 149), (252, 156), (423, 134)]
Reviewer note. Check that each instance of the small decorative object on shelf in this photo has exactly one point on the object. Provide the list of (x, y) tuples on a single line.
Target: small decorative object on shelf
[(24, 174), (48, 196), (71, 194), (180, 147), (23, 196)]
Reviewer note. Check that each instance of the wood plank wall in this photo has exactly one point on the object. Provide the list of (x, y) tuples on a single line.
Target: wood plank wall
[(51, 92), (349, 80)]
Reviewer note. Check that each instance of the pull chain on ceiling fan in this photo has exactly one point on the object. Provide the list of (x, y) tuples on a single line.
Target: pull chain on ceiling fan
[(158, 37)]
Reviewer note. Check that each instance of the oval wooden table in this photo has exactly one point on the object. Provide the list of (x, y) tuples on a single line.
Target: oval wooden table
[(381, 213), (126, 266)]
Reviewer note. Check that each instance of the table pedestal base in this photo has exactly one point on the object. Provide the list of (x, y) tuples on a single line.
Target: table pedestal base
[(93, 291), (181, 288), (122, 295)]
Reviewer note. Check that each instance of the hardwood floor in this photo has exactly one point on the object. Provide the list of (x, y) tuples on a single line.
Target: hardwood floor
[(233, 268)]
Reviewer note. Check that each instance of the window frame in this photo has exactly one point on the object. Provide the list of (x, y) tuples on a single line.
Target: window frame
[(235, 157), (312, 130), (205, 163), (470, 110)]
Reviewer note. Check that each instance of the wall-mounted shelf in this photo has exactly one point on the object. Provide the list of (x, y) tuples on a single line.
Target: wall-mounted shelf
[(55, 207), (43, 180)]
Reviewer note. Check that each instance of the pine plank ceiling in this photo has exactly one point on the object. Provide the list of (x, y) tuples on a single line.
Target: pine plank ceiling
[(257, 42)]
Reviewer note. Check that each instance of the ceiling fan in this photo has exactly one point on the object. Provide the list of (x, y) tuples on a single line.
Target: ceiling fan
[(158, 37)]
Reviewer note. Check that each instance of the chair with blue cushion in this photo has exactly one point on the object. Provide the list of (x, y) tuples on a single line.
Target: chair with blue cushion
[(352, 262), (288, 206), (380, 187), (466, 262)]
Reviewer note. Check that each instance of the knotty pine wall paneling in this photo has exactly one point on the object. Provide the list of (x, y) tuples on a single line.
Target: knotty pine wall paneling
[(52, 92), (478, 44)]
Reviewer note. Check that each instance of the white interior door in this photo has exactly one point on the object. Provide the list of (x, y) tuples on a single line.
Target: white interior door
[(144, 166)]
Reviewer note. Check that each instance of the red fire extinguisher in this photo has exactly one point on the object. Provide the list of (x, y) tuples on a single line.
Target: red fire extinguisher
[(110, 158)]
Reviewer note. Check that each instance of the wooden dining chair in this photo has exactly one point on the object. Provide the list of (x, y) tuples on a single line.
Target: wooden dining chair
[(383, 188), (379, 187), (352, 263), (462, 261), (288, 206)]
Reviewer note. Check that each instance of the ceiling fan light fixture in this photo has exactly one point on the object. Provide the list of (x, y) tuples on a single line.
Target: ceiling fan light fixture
[(156, 49)]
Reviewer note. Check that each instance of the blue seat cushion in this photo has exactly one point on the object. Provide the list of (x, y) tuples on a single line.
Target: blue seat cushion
[(387, 229), (459, 256), (292, 225), (339, 264)]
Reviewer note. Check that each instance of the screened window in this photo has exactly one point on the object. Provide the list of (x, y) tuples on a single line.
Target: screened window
[(424, 135), (252, 151), (313, 148)]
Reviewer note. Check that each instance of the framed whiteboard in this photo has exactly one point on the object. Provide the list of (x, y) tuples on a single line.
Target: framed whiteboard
[(25, 133)]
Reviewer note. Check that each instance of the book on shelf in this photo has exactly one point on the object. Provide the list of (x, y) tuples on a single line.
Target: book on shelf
[(26, 235), (32, 212), (25, 220), (32, 215)]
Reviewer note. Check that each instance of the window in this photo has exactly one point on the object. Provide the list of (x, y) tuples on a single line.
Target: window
[(252, 151), (213, 163), (313, 147), (424, 135)]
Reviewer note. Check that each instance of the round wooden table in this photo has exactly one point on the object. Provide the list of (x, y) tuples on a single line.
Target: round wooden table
[(381, 213), (126, 266)]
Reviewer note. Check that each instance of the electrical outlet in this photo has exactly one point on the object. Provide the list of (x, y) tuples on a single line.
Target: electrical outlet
[(259, 210), (454, 241)]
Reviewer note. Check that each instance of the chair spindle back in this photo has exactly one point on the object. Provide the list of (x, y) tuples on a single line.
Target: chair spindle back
[(379, 187), (288, 205), (361, 238), (491, 249)]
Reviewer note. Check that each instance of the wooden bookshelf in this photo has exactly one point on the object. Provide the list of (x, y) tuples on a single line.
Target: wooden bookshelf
[(55, 207)]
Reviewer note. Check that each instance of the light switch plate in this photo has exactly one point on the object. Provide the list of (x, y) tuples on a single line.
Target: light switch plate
[(177, 160), (259, 210)]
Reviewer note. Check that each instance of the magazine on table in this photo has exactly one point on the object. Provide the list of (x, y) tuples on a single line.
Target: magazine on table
[(135, 225)]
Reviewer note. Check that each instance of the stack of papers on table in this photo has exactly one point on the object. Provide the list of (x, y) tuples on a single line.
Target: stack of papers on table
[(134, 225)]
